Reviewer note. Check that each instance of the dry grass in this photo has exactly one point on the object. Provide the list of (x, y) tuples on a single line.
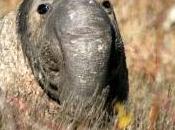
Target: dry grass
[(150, 52), (8, 5), (152, 105), (150, 49)]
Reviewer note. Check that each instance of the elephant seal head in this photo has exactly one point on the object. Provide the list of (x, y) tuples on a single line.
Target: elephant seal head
[(75, 51)]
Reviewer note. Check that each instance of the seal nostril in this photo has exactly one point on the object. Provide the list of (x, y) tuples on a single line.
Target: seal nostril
[(106, 4)]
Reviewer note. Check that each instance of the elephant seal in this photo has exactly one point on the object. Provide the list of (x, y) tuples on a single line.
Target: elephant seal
[(76, 53)]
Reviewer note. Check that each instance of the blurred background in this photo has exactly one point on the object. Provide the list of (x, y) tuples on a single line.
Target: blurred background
[(148, 31)]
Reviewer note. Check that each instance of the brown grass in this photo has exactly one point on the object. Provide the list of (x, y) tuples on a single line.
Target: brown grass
[(150, 49), (8, 5)]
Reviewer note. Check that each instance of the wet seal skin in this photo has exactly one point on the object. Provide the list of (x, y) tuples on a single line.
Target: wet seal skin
[(76, 54)]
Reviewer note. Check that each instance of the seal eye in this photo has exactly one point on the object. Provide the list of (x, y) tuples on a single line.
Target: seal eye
[(106, 4), (43, 9)]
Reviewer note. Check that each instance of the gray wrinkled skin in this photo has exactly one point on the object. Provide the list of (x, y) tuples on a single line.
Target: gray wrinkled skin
[(76, 54)]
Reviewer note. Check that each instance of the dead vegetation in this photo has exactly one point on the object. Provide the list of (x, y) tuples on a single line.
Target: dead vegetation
[(150, 49), (8, 5), (150, 52)]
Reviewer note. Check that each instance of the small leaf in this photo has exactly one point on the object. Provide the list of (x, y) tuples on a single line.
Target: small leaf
[(124, 118)]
